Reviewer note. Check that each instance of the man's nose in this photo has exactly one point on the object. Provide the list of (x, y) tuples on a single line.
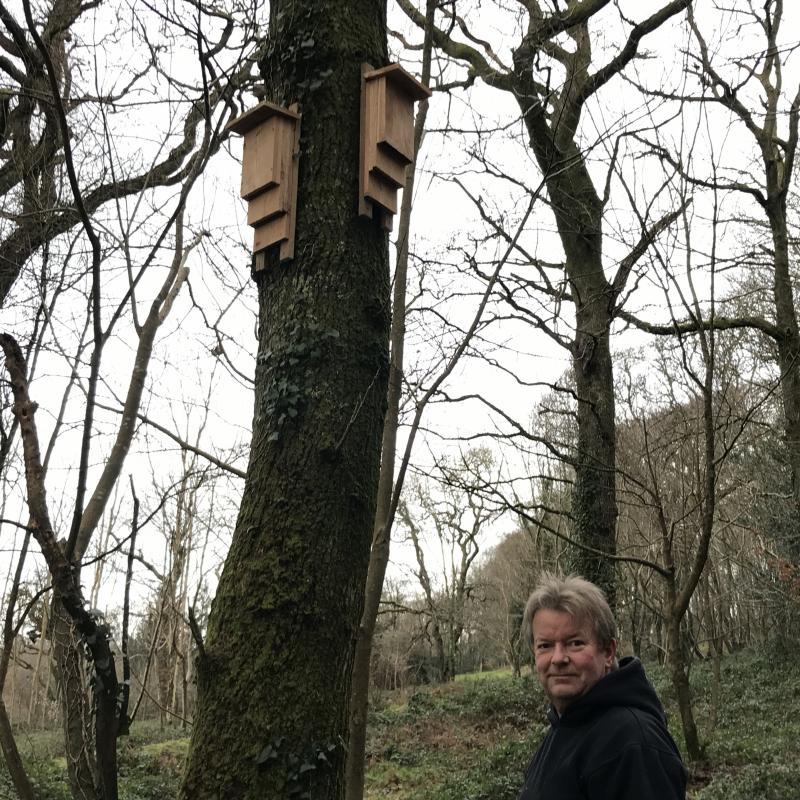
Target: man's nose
[(560, 653)]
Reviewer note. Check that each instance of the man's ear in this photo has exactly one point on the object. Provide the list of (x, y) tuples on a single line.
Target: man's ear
[(611, 654)]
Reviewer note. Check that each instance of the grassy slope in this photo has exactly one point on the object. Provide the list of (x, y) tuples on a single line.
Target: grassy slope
[(470, 740)]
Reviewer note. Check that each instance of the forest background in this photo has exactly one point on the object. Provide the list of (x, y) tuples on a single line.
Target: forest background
[(594, 359)]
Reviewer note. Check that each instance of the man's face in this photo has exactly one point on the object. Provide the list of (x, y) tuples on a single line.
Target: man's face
[(569, 661)]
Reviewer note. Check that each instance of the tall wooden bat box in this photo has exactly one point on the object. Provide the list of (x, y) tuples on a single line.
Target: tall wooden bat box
[(387, 137), (270, 163)]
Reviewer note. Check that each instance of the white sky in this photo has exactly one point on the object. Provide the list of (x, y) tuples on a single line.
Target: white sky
[(183, 367)]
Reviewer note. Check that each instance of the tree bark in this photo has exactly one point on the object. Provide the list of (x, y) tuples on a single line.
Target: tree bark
[(789, 341), (68, 667), (273, 687), (680, 681)]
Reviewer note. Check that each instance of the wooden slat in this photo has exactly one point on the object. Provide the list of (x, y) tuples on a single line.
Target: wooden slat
[(271, 232), (397, 75), (370, 108), (287, 246), (396, 129), (261, 158), (390, 167), (266, 205), (382, 192)]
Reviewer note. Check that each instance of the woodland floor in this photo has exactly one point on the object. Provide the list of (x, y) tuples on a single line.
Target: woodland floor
[(471, 739)]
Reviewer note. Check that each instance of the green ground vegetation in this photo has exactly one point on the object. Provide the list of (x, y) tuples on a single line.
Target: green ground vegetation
[(150, 762), (470, 739)]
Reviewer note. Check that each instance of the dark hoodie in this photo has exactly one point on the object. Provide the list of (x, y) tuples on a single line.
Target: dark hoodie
[(610, 744)]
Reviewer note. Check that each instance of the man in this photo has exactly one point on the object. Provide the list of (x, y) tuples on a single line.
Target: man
[(608, 738)]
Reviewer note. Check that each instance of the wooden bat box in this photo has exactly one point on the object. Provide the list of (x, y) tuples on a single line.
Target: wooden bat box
[(270, 163), (387, 137)]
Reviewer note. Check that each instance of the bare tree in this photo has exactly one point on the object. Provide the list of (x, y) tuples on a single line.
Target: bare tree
[(551, 82), (68, 165), (449, 518), (110, 697), (52, 110), (750, 88)]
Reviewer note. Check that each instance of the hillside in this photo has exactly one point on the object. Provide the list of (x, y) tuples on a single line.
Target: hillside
[(471, 739)]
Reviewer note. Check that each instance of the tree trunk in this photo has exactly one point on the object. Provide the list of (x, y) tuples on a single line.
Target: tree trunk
[(16, 769), (594, 505), (439, 652), (274, 681), (788, 346), (36, 681), (680, 680), (68, 668), (579, 216)]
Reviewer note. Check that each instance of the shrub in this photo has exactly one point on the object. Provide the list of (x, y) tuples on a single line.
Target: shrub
[(762, 781)]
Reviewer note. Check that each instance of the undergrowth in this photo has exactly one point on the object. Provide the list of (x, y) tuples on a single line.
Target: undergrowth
[(150, 763)]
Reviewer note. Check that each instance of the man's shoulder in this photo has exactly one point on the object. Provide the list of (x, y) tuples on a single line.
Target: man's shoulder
[(627, 725)]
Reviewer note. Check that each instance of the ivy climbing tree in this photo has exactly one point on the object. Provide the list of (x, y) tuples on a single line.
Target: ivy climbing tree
[(274, 671)]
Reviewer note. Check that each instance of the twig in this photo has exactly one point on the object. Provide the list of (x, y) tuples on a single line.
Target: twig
[(197, 635)]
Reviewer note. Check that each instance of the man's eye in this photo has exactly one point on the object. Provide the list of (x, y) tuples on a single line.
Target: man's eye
[(577, 643), (543, 646)]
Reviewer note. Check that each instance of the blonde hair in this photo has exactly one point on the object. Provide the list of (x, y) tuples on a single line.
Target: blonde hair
[(580, 598)]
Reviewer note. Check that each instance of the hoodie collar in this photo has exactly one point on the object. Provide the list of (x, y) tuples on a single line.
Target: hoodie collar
[(627, 685)]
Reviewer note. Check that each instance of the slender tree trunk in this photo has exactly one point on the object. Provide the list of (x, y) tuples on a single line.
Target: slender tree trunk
[(36, 680), (439, 651), (16, 769), (788, 347), (69, 667), (716, 685), (680, 680), (274, 683), (8, 744)]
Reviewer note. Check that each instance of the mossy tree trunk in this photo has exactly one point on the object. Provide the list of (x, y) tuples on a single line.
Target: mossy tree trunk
[(274, 679)]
